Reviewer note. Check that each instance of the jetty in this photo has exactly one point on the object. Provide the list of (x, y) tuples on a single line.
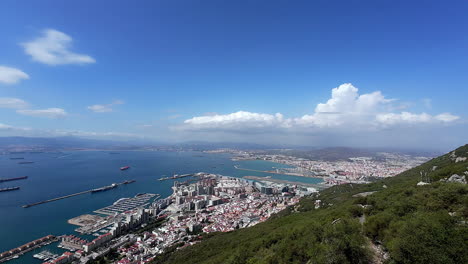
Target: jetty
[(71, 195)]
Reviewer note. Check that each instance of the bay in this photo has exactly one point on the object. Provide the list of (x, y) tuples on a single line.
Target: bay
[(62, 173)]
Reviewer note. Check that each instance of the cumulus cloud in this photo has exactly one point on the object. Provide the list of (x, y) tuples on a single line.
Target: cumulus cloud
[(53, 48), (13, 103), (104, 108), (48, 113), (5, 127), (240, 120), (346, 109), (9, 75)]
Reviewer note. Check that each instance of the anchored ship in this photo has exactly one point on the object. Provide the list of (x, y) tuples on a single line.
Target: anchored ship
[(25, 162), (14, 179), (125, 168), (9, 189), (105, 188)]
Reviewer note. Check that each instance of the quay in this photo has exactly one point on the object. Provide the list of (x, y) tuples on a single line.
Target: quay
[(70, 195)]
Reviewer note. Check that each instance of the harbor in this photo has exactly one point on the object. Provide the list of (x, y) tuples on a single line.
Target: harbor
[(45, 255), (126, 204), (75, 194), (16, 252)]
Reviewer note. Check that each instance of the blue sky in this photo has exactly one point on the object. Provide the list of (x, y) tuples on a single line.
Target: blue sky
[(219, 70)]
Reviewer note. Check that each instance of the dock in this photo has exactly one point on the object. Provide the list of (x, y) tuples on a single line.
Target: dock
[(70, 195)]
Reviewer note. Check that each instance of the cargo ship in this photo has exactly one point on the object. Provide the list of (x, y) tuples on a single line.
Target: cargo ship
[(105, 188), (125, 168), (14, 179), (25, 162), (129, 181), (9, 189)]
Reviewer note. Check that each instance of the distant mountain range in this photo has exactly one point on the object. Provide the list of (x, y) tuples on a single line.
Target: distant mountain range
[(62, 143), (77, 143)]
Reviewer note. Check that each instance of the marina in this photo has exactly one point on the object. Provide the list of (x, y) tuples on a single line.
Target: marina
[(126, 204), (45, 255), (16, 252)]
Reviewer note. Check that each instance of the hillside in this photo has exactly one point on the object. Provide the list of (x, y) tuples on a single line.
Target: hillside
[(400, 222)]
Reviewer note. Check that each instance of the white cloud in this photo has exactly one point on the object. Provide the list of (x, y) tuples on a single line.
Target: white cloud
[(446, 117), (9, 75), (404, 117), (236, 121), (5, 127), (346, 110), (100, 108), (53, 48), (104, 108), (49, 112), (13, 103)]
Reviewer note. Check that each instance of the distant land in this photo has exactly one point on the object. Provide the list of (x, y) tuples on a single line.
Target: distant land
[(20, 144)]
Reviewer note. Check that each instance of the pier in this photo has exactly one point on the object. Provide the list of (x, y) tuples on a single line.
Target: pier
[(70, 195)]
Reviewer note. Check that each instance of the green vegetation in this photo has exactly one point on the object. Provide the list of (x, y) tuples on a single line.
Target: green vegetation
[(110, 257), (151, 226), (399, 223)]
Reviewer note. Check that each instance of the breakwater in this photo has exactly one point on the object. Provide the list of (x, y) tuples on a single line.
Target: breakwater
[(70, 195)]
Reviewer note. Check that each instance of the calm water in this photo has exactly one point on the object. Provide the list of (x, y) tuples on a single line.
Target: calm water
[(57, 174)]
